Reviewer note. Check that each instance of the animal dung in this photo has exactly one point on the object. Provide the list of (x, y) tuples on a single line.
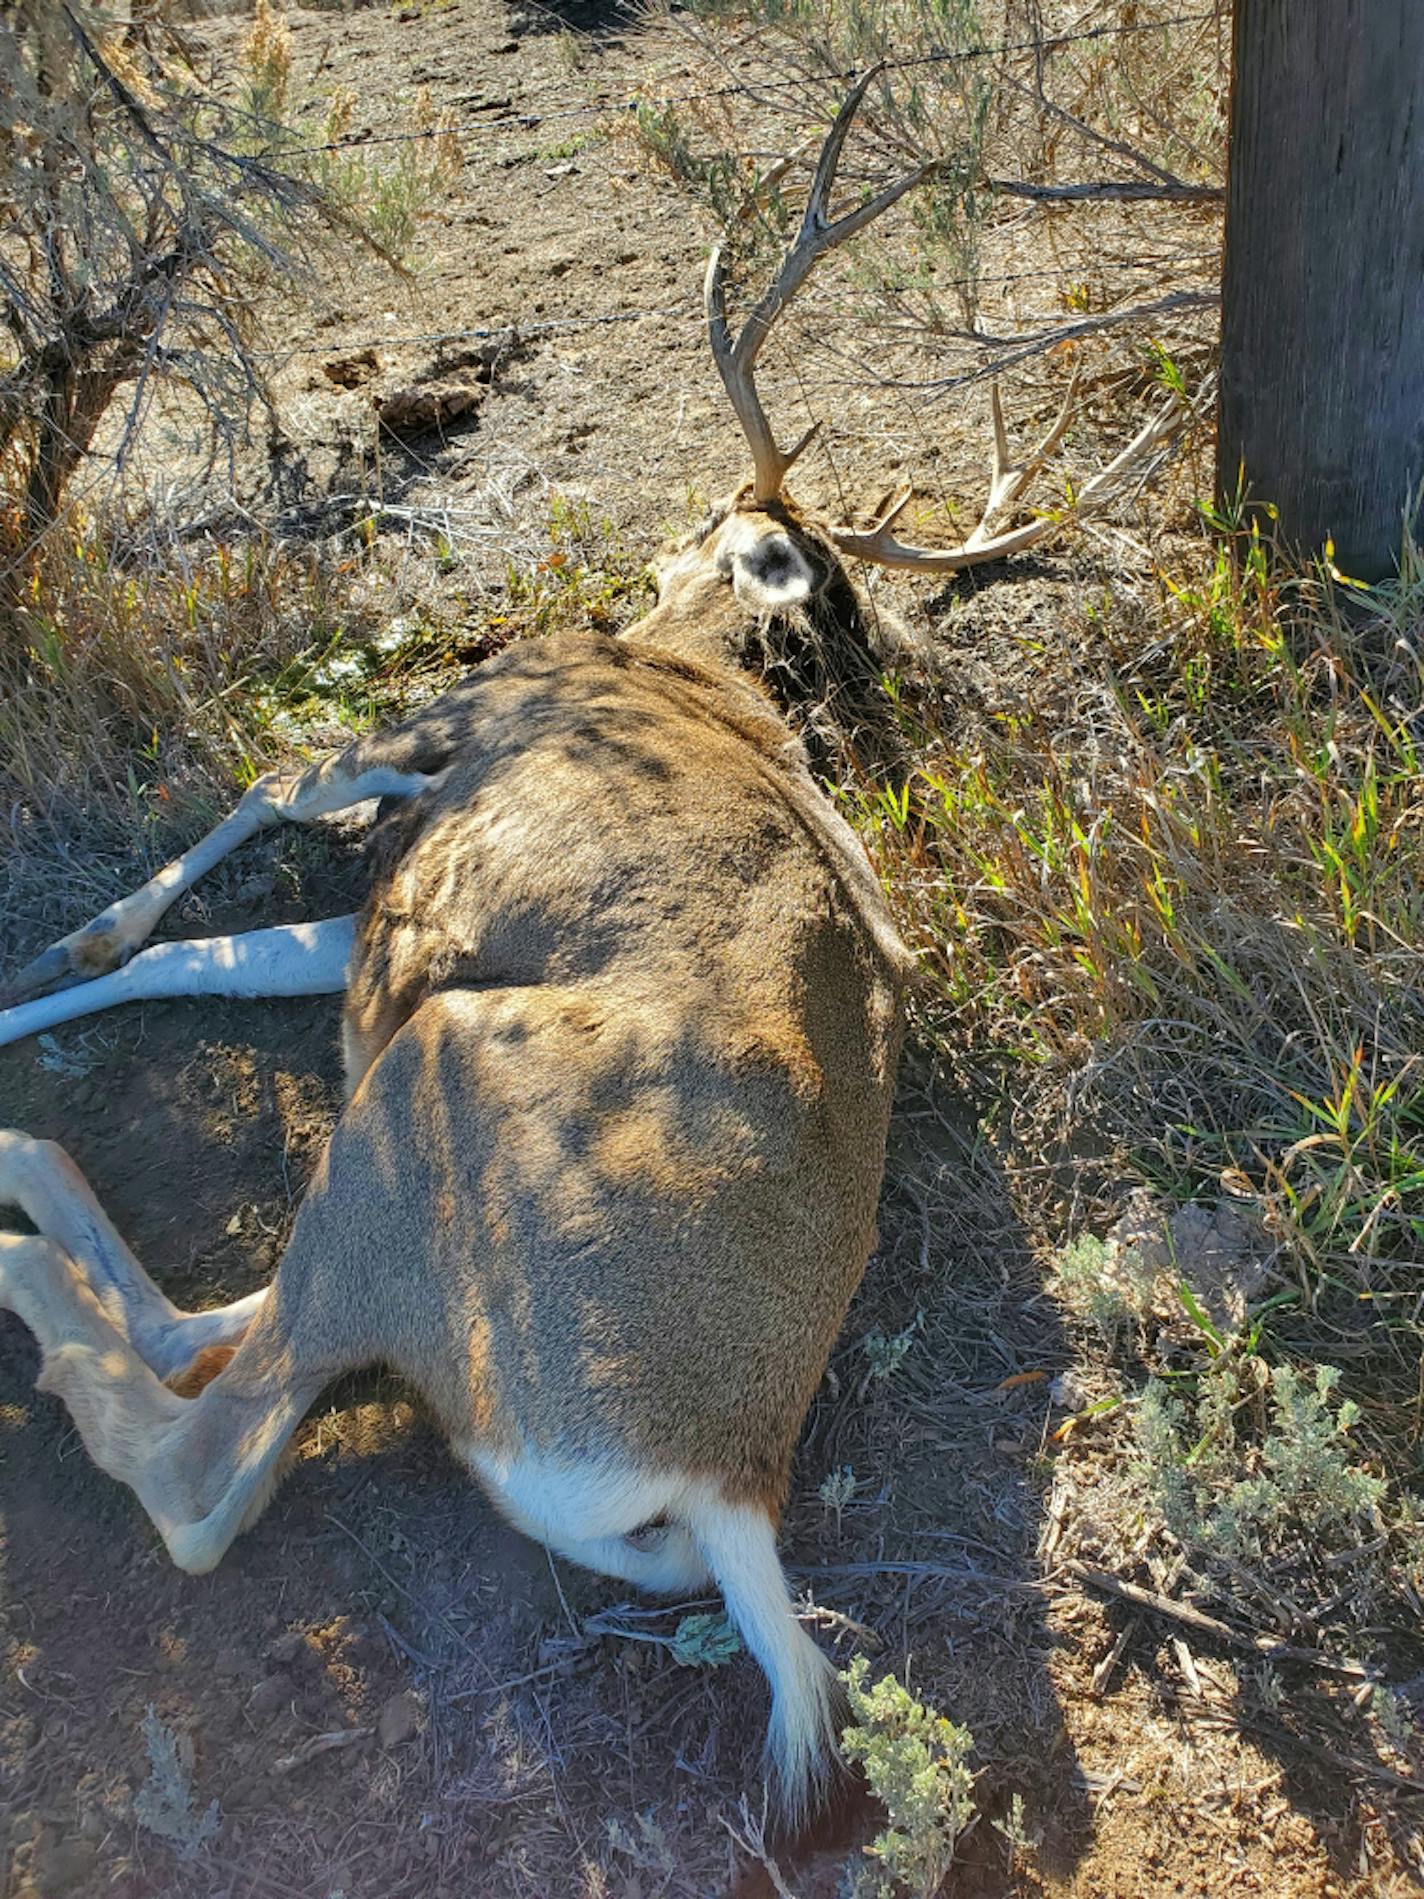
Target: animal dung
[(413, 408)]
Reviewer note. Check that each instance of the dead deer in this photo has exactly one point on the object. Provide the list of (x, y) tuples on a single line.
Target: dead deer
[(622, 1018)]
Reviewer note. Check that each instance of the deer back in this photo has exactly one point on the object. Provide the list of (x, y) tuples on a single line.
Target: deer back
[(673, 1095)]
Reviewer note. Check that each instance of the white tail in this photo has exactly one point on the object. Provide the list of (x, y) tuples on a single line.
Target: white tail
[(738, 1544)]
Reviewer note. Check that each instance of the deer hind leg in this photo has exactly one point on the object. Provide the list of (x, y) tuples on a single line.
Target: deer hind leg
[(41, 1180), (203, 1468), (108, 941)]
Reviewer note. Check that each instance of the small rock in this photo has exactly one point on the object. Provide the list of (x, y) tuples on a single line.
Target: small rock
[(1221, 1249), (399, 1719), (288, 1648), (270, 1696), (319, 1702), (1070, 1391), (366, 1650), (255, 889), (352, 371)]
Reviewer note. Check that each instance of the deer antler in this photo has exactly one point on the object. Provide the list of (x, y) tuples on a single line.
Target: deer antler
[(1007, 483), (736, 362), (1008, 480)]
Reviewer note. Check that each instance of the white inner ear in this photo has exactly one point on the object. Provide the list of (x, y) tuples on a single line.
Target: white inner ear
[(768, 569)]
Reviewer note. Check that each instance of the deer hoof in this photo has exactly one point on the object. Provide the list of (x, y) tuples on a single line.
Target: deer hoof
[(74, 960)]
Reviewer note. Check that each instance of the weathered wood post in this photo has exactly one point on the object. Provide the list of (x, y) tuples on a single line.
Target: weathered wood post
[(1322, 341)]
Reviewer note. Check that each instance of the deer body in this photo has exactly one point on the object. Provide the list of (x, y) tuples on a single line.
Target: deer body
[(626, 1071), (621, 1025)]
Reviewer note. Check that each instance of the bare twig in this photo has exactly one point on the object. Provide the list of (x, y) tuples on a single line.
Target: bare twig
[(751, 1837), (1103, 1673), (1118, 147), (319, 1744), (1110, 191), (1013, 349), (1204, 1624)]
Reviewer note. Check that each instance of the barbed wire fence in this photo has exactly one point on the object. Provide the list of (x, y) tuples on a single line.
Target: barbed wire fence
[(637, 102)]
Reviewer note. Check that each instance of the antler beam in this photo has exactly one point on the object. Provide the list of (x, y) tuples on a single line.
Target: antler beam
[(1007, 484), (1009, 480), (736, 361)]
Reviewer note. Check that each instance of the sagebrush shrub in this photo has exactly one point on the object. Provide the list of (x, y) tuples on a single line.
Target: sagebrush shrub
[(1221, 1491), (164, 1804), (916, 1763)]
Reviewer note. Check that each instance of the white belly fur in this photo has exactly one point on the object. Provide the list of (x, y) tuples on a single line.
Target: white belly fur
[(586, 1510)]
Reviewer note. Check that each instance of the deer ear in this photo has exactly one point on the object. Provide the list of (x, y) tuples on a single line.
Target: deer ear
[(768, 570)]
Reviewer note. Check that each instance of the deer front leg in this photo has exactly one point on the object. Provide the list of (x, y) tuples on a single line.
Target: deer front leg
[(110, 939), (41, 1179), (204, 1467), (291, 959)]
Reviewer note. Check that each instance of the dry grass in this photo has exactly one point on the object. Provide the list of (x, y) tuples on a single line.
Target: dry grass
[(1168, 891), (1192, 838)]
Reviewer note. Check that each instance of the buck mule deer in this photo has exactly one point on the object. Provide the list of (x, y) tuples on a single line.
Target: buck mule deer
[(622, 1016)]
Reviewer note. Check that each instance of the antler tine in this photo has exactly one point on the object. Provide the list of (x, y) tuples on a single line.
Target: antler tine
[(1009, 480), (829, 162), (880, 548), (736, 361), (1099, 490)]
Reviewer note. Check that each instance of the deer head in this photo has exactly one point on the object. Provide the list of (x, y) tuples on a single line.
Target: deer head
[(759, 558)]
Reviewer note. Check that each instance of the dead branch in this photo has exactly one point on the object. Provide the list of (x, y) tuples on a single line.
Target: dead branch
[(1262, 1645), (1110, 191)]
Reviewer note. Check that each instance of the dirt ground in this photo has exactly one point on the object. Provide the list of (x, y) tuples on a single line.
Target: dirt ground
[(495, 1721)]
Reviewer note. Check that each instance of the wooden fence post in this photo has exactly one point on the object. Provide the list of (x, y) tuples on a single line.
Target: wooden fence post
[(1322, 343)]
